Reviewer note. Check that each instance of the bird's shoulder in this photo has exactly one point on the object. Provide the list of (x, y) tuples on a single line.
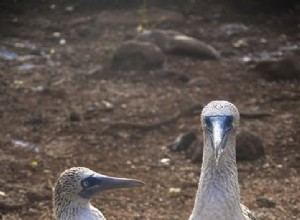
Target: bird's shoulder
[(90, 213), (247, 213), (95, 212)]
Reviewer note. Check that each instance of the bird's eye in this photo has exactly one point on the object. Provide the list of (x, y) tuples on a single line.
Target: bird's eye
[(208, 124), (85, 183)]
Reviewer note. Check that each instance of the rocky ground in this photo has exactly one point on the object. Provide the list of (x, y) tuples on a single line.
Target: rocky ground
[(66, 101)]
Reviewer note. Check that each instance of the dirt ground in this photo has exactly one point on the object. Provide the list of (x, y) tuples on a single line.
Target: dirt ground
[(55, 110)]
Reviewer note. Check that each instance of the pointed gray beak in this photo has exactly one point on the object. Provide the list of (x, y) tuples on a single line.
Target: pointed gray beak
[(108, 183), (218, 140), (219, 128), (98, 183)]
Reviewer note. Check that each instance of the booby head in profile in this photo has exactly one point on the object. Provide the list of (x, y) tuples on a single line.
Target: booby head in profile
[(77, 186), (218, 195)]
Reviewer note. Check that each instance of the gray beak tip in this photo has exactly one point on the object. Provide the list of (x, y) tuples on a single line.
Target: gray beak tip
[(137, 183), (218, 154)]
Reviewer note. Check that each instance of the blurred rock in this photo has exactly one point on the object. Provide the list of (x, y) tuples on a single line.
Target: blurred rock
[(278, 69), (294, 162), (248, 146), (265, 203), (184, 141), (195, 152), (74, 116), (183, 78), (133, 55), (177, 43)]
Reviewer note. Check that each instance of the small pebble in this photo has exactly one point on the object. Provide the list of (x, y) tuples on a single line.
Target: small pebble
[(165, 161), (174, 191)]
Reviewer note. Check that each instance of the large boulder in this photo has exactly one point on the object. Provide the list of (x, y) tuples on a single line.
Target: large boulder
[(134, 55), (278, 69), (248, 146), (174, 42)]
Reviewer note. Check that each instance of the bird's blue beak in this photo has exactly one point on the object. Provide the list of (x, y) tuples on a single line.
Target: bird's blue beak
[(98, 183), (218, 128)]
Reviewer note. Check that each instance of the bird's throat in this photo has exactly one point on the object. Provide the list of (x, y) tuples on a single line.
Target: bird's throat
[(218, 189)]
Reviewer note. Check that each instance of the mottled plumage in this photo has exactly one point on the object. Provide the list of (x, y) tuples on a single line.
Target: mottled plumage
[(77, 186), (218, 196)]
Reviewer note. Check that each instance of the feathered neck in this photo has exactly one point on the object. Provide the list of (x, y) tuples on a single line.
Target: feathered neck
[(64, 207), (67, 209), (218, 191)]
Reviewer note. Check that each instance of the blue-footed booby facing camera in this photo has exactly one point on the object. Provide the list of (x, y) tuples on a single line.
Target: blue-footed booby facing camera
[(218, 195)]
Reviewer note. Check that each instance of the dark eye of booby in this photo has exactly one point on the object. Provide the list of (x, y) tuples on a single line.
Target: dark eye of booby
[(85, 183), (89, 182), (208, 124)]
